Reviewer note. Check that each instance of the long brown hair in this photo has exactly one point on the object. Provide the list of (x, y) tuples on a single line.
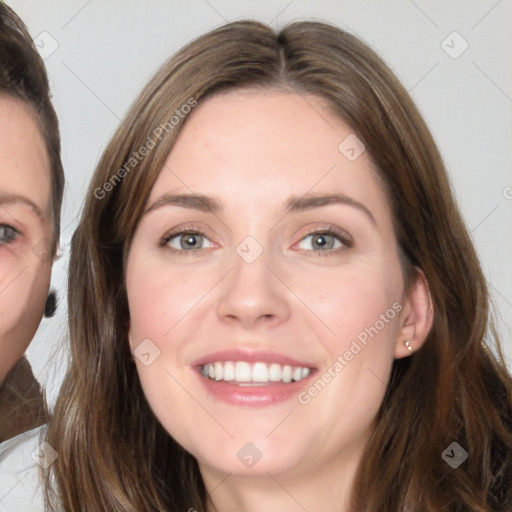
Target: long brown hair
[(114, 454)]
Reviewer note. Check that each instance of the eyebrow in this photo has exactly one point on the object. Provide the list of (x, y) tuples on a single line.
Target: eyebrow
[(293, 204), (6, 199)]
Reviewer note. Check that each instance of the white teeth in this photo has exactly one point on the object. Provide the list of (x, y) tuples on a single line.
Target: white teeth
[(244, 372), (229, 371), (260, 372), (275, 373), (297, 373), (218, 371)]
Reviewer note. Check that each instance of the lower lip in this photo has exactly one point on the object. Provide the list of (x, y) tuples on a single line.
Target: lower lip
[(270, 394)]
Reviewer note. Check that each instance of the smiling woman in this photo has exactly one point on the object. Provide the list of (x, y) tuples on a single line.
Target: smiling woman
[(296, 231), (31, 188)]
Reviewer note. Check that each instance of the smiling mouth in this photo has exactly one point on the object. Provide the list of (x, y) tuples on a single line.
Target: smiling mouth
[(243, 373)]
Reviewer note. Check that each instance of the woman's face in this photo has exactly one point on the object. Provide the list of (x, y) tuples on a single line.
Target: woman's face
[(296, 331), (25, 230)]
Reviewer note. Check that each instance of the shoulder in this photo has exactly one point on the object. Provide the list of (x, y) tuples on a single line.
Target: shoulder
[(21, 402), (21, 458)]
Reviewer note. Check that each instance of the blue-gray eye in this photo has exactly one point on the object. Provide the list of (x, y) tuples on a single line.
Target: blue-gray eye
[(186, 240), (7, 234), (323, 241)]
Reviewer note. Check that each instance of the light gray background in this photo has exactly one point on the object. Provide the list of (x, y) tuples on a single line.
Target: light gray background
[(108, 50)]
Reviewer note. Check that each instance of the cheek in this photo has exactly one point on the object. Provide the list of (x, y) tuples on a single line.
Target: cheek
[(21, 308), (352, 301), (24, 288), (157, 301), (362, 309)]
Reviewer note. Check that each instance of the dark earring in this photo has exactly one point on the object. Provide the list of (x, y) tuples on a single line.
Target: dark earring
[(51, 304)]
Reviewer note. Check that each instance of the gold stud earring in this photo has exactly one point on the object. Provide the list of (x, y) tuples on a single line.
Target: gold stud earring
[(408, 345)]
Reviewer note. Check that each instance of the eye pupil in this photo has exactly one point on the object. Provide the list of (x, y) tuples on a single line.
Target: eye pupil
[(189, 239), (320, 237), (321, 241)]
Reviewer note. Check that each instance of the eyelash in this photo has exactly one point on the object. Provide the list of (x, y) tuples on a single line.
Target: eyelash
[(11, 238), (340, 235)]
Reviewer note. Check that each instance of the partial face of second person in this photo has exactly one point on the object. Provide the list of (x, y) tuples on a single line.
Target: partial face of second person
[(25, 229), (252, 284)]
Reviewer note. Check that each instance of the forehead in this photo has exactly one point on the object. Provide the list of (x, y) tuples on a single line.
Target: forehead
[(24, 162), (248, 146)]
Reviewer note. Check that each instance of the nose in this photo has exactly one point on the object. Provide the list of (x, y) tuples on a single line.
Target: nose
[(252, 294)]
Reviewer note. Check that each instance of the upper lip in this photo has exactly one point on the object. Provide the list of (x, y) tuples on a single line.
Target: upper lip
[(250, 356)]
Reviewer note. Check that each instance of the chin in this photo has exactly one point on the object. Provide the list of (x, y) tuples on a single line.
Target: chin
[(250, 458)]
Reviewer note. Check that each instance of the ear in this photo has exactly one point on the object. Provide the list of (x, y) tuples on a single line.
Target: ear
[(416, 317)]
